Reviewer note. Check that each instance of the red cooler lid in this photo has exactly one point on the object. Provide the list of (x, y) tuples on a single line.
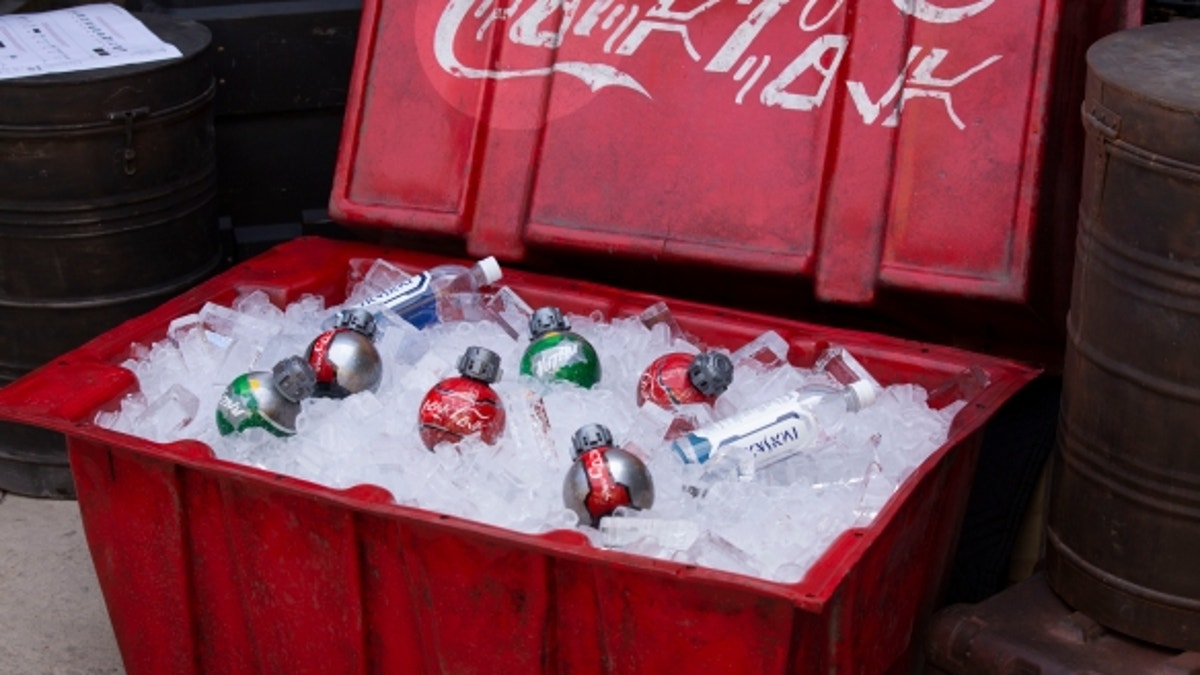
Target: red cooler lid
[(892, 143)]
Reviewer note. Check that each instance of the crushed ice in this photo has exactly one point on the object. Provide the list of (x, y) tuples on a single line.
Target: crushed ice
[(773, 529)]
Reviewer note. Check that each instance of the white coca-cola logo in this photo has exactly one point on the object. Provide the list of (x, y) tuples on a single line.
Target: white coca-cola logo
[(588, 40), (603, 486), (454, 411)]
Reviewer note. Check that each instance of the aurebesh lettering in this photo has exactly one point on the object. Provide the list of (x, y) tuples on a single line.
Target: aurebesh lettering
[(775, 441), (798, 80)]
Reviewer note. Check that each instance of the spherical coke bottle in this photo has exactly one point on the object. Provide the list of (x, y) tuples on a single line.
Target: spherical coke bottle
[(603, 478), (465, 405), (345, 358), (677, 378)]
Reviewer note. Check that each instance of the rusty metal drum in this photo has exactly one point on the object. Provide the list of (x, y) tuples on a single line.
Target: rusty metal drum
[(1124, 525), (107, 208)]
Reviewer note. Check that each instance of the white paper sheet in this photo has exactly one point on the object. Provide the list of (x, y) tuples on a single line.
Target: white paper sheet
[(78, 38)]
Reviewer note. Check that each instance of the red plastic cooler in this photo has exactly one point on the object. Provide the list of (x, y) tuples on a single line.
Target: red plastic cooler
[(855, 146), (211, 567)]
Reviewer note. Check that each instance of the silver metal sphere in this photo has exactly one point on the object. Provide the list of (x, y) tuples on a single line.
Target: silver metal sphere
[(627, 471)]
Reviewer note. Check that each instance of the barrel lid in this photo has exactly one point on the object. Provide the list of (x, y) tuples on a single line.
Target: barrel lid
[(1159, 62), (1142, 92), (89, 96)]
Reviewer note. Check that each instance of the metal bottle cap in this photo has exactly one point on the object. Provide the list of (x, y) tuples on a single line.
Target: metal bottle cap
[(480, 363), (591, 436), (294, 378), (357, 319), (711, 373), (546, 319)]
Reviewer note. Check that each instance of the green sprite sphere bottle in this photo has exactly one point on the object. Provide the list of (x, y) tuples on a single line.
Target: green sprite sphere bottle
[(266, 400), (557, 354)]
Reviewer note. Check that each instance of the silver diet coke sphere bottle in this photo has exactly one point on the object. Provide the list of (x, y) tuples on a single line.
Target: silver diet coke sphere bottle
[(603, 477)]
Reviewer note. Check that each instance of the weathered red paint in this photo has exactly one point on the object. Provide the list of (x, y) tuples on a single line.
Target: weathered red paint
[(927, 145)]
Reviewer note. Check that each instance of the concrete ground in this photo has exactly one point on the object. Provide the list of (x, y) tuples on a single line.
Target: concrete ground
[(52, 615)]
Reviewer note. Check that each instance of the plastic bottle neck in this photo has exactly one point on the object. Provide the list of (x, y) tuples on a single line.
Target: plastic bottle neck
[(485, 272)]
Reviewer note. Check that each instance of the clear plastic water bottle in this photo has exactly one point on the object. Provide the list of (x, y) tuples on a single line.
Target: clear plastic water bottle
[(437, 294), (791, 424)]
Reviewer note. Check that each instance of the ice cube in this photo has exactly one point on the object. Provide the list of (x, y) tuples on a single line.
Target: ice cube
[(379, 276), (276, 349), (238, 358), (257, 304), (621, 532), (659, 314), (401, 342), (650, 425), (508, 309), (362, 406), (569, 407), (760, 386), (878, 489), (200, 356), (305, 314), (166, 415), (768, 350), (428, 371), (183, 325), (713, 550), (229, 323), (162, 367), (528, 424), (561, 519)]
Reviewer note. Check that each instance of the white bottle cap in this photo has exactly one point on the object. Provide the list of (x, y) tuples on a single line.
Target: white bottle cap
[(864, 392), (491, 269)]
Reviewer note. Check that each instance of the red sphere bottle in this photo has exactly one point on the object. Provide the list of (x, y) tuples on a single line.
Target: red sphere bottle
[(466, 405), (678, 378)]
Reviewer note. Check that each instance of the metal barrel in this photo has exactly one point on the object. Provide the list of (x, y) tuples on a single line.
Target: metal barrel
[(107, 208), (1123, 537)]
